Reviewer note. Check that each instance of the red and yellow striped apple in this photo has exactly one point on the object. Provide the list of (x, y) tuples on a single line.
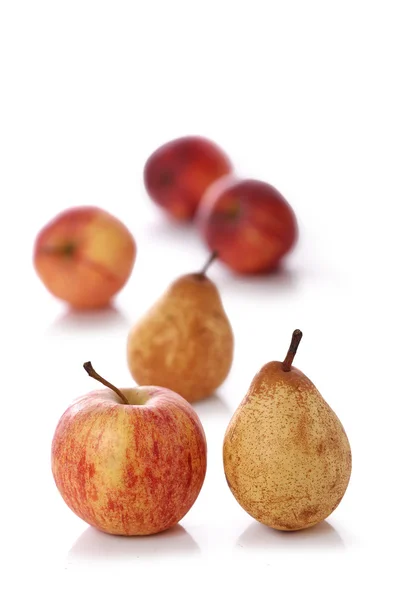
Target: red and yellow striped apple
[(129, 461), (84, 256)]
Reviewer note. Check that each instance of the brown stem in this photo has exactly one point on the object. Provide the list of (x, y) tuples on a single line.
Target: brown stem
[(90, 371), (210, 260), (294, 344)]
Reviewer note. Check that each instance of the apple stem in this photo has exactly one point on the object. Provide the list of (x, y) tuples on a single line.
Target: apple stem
[(294, 344), (90, 371), (210, 260)]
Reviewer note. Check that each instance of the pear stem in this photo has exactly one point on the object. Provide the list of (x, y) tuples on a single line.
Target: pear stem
[(294, 344), (90, 371), (210, 260)]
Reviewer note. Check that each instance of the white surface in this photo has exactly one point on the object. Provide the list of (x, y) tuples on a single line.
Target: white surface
[(302, 94)]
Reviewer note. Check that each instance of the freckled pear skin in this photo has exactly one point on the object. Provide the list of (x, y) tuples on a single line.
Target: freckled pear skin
[(287, 458), (185, 341), (130, 469)]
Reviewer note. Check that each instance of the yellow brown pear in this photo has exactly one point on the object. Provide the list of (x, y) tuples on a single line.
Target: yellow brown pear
[(185, 341), (287, 458)]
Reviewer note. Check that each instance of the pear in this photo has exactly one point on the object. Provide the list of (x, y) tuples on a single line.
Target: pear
[(185, 341), (287, 459)]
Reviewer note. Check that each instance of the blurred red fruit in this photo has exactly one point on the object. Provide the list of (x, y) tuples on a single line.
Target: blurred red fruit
[(248, 223), (84, 256), (179, 172)]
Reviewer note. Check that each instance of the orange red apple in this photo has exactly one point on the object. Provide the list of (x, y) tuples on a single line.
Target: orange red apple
[(129, 461), (179, 172), (84, 256), (248, 223)]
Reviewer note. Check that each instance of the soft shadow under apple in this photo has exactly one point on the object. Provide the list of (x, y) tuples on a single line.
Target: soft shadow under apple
[(108, 318), (212, 406), (93, 545), (320, 537), (281, 280)]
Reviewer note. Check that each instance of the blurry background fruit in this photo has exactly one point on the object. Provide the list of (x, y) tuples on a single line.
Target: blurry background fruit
[(185, 341), (179, 172), (84, 256), (248, 223)]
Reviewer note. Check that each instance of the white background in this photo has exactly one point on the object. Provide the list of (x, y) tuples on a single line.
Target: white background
[(302, 94)]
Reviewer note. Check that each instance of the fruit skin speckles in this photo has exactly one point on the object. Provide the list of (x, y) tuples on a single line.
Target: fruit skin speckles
[(184, 341), (287, 459)]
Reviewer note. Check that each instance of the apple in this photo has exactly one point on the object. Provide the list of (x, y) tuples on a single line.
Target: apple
[(248, 223), (84, 256), (129, 461), (179, 172)]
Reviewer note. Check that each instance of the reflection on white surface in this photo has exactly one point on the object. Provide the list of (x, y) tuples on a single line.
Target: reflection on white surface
[(282, 280), (89, 320), (93, 545), (213, 406), (322, 536)]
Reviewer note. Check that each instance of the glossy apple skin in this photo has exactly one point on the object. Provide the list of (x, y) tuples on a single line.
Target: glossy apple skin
[(179, 172), (84, 256), (249, 223), (130, 469)]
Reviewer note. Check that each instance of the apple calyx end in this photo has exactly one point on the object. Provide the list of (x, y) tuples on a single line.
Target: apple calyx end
[(67, 250)]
